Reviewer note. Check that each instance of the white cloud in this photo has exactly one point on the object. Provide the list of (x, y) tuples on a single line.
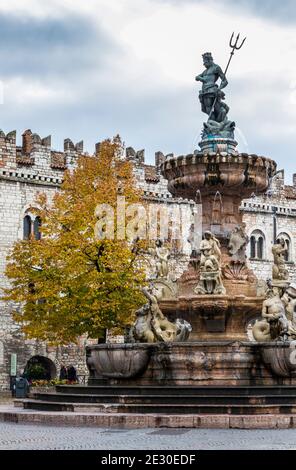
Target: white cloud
[(146, 90), (34, 92), (32, 8)]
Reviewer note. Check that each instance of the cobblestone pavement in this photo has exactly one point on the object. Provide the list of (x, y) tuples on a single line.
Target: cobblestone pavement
[(24, 436)]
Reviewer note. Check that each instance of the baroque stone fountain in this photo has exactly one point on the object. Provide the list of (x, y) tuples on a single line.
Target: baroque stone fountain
[(218, 296)]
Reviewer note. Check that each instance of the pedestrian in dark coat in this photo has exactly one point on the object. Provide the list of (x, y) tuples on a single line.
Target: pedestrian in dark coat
[(72, 374), (63, 373)]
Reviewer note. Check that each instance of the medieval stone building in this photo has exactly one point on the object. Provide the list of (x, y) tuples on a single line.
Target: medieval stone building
[(34, 167), (268, 218)]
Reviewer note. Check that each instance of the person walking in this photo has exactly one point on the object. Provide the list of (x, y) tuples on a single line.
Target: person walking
[(63, 372), (72, 374)]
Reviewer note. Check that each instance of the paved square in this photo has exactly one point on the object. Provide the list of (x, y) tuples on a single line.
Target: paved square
[(24, 437)]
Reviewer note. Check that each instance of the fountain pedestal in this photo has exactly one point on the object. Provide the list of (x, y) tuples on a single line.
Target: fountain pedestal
[(217, 143), (219, 351), (222, 179)]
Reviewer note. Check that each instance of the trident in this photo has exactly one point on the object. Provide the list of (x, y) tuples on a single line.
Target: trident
[(235, 47)]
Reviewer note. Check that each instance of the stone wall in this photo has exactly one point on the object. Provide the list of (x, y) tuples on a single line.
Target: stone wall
[(24, 172), (272, 214), (35, 168)]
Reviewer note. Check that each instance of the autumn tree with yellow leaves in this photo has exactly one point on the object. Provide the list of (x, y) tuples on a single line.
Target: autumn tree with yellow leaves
[(71, 282)]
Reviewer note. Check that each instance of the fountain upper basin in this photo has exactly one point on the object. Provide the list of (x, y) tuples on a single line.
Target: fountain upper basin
[(214, 172)]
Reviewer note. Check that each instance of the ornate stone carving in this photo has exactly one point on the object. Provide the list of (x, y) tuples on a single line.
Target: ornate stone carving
[(163, 284), (152, 326), (278, 317), (162, 255), (279, 358), (279, 250), (165, 288), (278, 326), (237, 244), (289, 300), (122, 361), (237, 268), (210, 281)]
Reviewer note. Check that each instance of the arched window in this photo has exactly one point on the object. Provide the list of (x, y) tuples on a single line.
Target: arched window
[(27, 227), (285, 236), (260, 248), (37, 225), (257, 245), (31, 226), (253, 247)]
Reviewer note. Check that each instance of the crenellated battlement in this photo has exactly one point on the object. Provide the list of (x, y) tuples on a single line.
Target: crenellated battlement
[(138, 158), (35, 156), (35, 161), (10, 136)]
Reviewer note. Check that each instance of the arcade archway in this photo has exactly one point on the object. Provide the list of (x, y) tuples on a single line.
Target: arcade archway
[(40, 368)]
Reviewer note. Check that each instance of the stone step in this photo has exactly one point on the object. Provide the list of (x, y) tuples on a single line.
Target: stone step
[(167, 409), (144, 421), (176, 390), (168, 399)]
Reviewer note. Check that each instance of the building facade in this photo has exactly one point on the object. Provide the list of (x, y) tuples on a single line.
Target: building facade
[(24, 172), (34, 167), (269, 217)]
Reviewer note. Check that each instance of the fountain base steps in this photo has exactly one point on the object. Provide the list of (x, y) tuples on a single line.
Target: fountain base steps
[(169, 400), (147, 420)]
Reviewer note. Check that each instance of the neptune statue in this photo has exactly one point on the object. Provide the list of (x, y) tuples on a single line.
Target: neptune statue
[(212, 98)]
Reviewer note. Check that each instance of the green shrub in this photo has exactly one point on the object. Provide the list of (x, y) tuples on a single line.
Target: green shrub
[(35, 372)]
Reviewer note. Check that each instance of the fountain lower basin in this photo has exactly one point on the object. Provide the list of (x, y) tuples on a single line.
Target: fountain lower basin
[(203, 363)]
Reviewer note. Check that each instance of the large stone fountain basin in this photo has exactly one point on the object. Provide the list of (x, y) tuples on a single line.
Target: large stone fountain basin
[(200, 363), (218, 172), (117, 360), (280, 358)]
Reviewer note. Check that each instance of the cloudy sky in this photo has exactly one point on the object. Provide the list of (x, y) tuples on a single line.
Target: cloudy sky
[(91, 69)]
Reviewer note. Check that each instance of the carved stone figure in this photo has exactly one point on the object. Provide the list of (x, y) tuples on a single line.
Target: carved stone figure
[(210, 266), (141, 331), (192, 240), (183, 329), (237, 244), (152, 326), (275, 323), (237, 268), (162, 255), (279, 250), (289, 306), (261, 331), (209, 89), (289, 301), (164, 280), (210, 242), (273, 310), (223, 129), (211, 98)]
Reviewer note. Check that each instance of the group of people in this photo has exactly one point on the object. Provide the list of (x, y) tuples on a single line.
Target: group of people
[(68, 373)]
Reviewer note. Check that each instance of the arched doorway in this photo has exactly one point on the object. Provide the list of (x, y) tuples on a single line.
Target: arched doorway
[(40, 368)]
